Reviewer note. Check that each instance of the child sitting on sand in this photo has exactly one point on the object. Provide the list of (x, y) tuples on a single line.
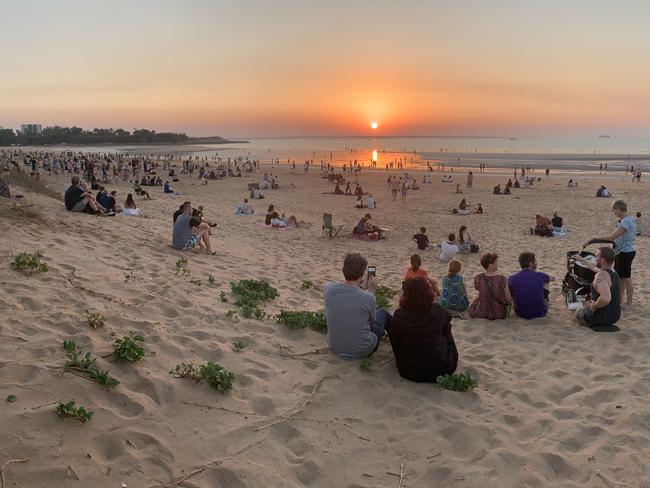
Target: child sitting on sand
[(454, 293), (415, 270), (422, 239)]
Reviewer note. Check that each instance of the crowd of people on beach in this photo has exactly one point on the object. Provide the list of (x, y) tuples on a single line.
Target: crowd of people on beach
[(420, 330)]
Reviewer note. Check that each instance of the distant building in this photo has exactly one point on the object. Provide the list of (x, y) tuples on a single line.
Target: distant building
[(31, 129)]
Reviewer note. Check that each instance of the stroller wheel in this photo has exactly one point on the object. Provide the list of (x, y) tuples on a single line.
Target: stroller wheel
[(571, 297)]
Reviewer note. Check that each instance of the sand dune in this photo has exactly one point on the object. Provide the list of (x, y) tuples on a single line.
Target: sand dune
[(557, 405)]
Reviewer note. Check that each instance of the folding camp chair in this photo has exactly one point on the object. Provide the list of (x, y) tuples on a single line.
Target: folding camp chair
[(330, 230)]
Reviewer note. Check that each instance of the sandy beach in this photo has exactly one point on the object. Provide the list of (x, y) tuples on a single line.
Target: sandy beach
[(556, 404)]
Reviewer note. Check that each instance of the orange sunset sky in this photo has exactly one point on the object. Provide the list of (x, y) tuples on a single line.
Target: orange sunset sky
[(274, 68)]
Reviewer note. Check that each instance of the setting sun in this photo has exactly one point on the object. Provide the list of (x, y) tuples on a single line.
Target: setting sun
[(374, 125)]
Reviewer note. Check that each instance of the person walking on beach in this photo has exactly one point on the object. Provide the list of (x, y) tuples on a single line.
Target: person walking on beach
[(604, 309), (624, 248), (394, 187), (404, 191), (354, 324)]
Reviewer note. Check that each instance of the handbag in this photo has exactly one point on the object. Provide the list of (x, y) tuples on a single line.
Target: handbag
[(507, 306), (473, 247)]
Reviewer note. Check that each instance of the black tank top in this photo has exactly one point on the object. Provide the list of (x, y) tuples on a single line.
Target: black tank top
[(610, 313)]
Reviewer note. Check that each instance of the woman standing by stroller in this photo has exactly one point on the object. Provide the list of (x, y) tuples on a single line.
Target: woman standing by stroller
[(624, 248)]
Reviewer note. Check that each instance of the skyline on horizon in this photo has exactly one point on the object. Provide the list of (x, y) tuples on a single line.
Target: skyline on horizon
[(503, 69)]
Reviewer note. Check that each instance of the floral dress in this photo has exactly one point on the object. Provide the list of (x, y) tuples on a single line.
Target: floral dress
[(452, 296), (491, 297)]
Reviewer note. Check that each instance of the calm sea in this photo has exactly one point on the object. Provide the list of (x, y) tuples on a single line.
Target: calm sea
[(577, 153)]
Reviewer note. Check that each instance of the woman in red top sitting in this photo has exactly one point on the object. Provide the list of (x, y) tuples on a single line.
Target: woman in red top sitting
[(416, 271)]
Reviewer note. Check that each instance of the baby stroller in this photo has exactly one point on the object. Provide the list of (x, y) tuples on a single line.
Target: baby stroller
[(576, 286)]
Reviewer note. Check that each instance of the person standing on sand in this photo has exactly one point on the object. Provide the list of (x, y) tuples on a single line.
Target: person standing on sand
[(470, 179), (624, 249), (404, 191), (394, 187), (354, 324)]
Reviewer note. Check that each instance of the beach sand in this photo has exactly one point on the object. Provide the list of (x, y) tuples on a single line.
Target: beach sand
[(557, 405)]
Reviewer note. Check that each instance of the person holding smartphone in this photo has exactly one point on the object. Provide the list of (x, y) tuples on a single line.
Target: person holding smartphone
[(354, 324)]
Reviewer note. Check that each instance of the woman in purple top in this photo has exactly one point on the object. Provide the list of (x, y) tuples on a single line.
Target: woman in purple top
[(529, 288)]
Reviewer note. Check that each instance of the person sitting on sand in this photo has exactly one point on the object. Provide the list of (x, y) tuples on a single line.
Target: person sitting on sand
[(414, 185), (137, 189), (458, 190), (494, 296), (110, 203), (478, 209), (454, 294), (180, 210), (130, 207), (517, 184), (415, 270), (449, 248), (603, 192), (354, 324), (463, 208), (422, 239), (79, 200), (245, 208), (198, 214), (281, 221), (556, 221), (276, 221), (337, 189), (529, 288), (359, 203), (269, 215), (506, 191), (370, 201), (604, 309), (358, 190), (497, 190), (420, 335), (364, 227), (348, 190), (465, 243), (186, 236), (542, 226), (168, 188), (509, 184)]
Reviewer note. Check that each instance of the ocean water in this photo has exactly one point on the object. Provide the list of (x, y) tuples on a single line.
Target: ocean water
[(495, 152)]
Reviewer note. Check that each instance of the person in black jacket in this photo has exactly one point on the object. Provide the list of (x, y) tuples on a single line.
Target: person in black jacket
[(420, 334)]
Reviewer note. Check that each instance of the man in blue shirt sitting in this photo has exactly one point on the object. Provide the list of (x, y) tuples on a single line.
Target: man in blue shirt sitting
[(529, 288)]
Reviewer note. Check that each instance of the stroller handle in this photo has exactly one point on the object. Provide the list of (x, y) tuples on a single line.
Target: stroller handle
[(599, 241)]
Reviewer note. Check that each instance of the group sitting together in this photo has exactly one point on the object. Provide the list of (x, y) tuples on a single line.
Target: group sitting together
[(274, 219), (190, 230), (603, 192), (546, 227), (151, 181), (420, 329)]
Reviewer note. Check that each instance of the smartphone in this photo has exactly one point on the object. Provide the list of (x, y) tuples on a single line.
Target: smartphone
[(372, 271)]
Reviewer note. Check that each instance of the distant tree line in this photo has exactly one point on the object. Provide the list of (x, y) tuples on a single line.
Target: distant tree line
[(76, 135)]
